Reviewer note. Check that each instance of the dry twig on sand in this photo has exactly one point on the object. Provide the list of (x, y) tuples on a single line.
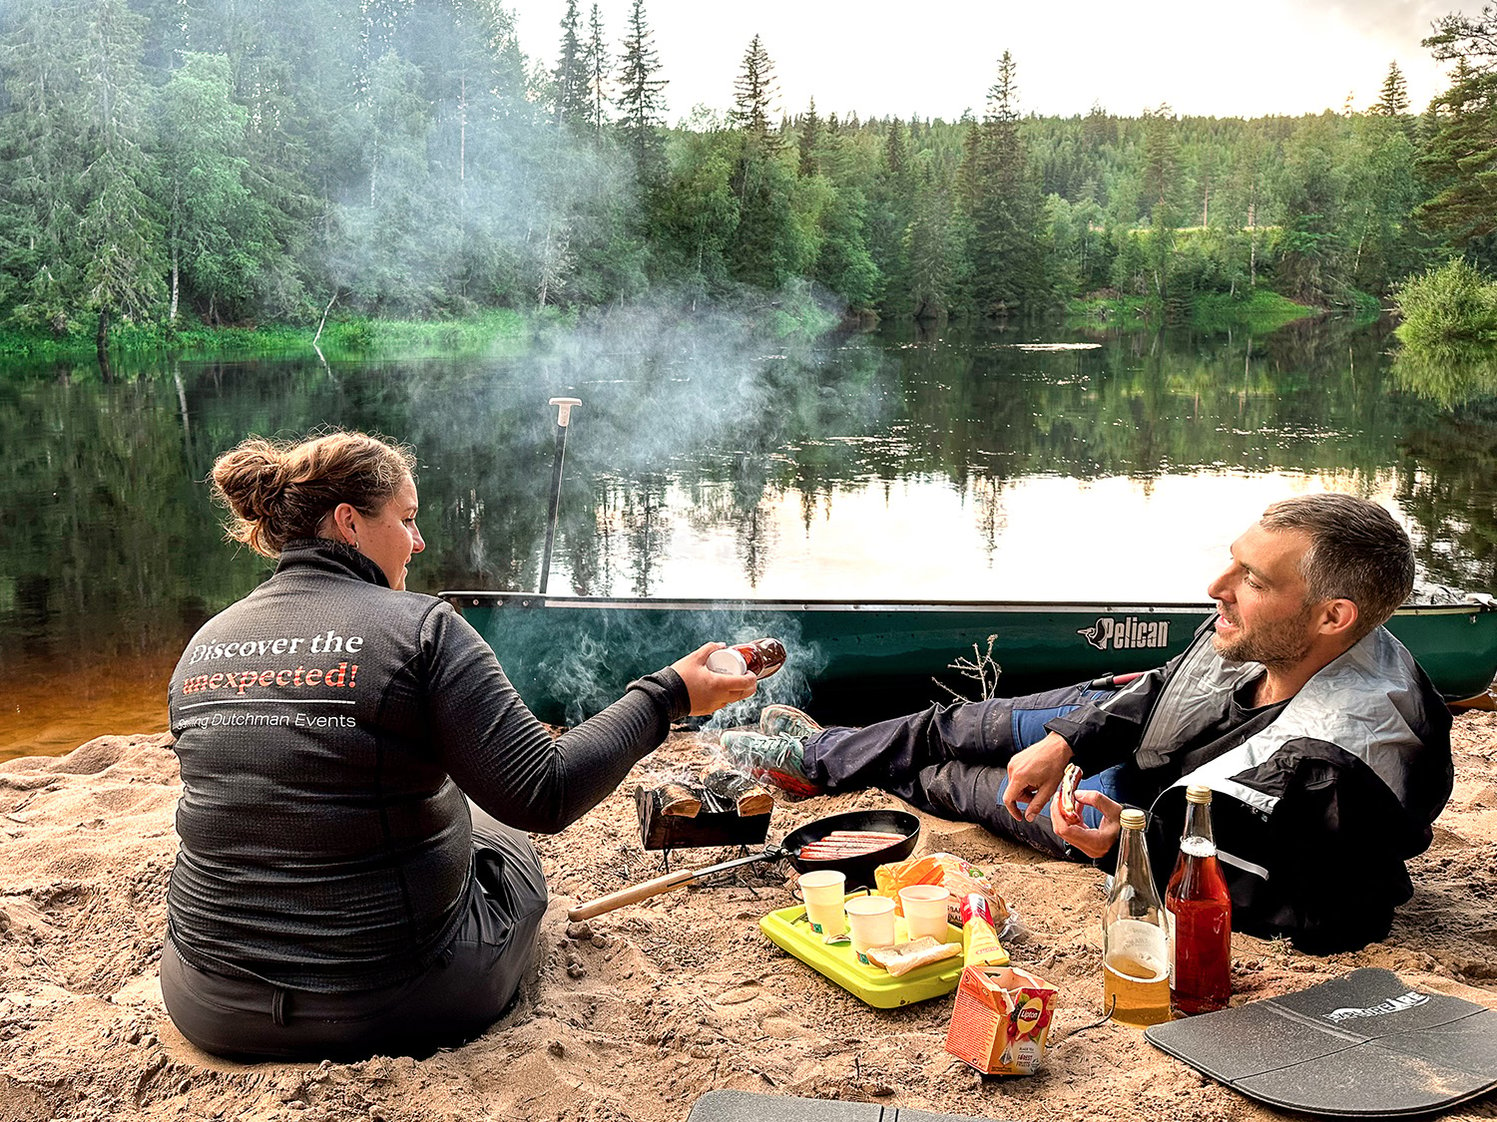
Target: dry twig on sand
[(982, 668)]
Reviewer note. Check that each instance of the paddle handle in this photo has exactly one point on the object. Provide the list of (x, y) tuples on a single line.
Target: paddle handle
[(632, 895)]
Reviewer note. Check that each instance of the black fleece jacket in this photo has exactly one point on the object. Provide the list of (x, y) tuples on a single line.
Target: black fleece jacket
[(328, 729)]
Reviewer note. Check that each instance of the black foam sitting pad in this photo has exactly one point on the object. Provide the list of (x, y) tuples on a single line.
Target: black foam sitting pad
[(1366, 1045), (750, 1106)]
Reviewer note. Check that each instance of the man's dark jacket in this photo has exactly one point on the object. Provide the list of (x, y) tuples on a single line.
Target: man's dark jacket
[(1317, 802)]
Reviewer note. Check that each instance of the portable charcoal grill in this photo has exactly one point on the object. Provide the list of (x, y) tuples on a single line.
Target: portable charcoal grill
[(718, 822)]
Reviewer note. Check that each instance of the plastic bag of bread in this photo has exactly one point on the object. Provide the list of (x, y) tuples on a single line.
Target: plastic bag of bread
[(958, 876), (901, 958)]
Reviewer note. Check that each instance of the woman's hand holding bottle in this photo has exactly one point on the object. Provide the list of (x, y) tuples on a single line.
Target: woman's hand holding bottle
[(709, 689)]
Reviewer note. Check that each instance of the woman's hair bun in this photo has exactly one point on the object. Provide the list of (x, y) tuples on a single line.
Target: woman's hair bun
[(251, 478), (282, 491)]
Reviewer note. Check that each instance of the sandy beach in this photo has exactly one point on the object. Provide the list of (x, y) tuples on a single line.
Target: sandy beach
[(637, 1013)]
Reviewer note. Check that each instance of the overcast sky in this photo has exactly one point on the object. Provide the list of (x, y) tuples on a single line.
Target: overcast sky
[(935, 59)]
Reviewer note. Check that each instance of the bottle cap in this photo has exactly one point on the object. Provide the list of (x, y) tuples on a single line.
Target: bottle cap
[(727, 661), (1133, 819), (1198, 793)]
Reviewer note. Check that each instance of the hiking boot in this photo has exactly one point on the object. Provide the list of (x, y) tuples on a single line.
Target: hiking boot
[(780, 720), (776, 760)]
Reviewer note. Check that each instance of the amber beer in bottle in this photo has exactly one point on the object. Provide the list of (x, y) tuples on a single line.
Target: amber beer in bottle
[(1200, 910), (1135, 935)]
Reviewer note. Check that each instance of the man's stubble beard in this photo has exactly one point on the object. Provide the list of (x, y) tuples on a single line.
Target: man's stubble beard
[(1283, 642)]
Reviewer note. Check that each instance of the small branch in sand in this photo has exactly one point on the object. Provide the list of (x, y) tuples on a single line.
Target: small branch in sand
[(982, 668)]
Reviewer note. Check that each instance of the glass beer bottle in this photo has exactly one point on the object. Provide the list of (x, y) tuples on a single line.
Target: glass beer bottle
[(1135, 935), (1200, 910)]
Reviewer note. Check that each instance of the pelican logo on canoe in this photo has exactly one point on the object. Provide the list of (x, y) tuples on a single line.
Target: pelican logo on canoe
[(1128, 633)]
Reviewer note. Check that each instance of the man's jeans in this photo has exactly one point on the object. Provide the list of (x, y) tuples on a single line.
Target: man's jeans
[(951, 760)]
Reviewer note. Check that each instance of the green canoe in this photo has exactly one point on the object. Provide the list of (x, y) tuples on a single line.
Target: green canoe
[(859, 661)]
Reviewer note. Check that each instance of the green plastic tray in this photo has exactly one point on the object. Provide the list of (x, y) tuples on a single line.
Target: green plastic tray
[(789, 929)]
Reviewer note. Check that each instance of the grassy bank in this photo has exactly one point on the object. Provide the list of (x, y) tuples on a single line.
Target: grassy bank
[(782, 314), (1260, 310), (352, 336)]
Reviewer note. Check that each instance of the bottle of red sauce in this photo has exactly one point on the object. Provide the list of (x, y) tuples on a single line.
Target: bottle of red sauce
[(1200, 913), (761, 658)]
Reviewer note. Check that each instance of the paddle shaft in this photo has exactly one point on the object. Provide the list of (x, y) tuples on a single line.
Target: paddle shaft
[(564, 407), (635, 893)]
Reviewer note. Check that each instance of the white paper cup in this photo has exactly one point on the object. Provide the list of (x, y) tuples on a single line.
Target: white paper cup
[(871, 920), (925, 910), (824, 891)]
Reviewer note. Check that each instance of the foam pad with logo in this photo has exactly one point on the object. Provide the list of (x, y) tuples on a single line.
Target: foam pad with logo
[(1366, 1045)]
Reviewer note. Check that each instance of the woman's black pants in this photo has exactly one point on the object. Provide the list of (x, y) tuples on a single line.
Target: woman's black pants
[(454, 1000)]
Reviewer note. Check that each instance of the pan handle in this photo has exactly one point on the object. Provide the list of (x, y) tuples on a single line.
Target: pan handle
[(631, 895), (638, 892)]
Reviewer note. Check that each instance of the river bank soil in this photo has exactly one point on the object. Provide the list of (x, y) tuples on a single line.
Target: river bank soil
[(634, 1014)]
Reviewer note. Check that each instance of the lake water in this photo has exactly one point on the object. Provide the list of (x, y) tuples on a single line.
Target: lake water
[(710, 460)]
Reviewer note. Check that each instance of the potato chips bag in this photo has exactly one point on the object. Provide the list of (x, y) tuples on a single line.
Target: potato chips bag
[(958, 876)]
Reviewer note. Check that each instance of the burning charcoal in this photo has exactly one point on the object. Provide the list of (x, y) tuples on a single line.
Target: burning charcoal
[(726, 784)]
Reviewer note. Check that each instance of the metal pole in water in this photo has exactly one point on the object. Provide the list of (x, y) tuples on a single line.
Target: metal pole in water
[(564, 407)]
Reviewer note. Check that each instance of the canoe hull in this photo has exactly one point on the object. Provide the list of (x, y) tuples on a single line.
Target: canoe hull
[(859, 661)]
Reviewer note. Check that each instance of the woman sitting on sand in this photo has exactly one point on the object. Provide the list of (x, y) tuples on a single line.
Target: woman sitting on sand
[(336, 894)]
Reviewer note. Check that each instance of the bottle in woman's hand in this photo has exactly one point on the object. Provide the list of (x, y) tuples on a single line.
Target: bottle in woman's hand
[(761, 658)]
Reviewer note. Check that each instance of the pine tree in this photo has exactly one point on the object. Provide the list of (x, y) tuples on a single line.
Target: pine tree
[(218, 233), (595, 63), (753, 96), (810, 137), (896, 153), (40, 164), (929, 248), (1459, 163), (1393, 101), (890, 206), (1459, 160), (1007, 252), (119, 232), (641, 100), (1161, 163), (571, 77)]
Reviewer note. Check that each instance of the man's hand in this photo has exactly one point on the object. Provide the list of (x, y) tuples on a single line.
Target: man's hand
[(708, 689), (1034, 774), (1093, 843)]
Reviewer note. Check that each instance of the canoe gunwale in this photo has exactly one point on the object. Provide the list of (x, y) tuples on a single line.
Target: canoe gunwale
[(1475, 604), (887, 646)]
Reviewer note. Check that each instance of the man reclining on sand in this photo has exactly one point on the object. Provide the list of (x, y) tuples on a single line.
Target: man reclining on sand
[(1326, 745)]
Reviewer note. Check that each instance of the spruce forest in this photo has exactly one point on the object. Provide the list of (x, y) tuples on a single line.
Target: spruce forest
[(176, 163)]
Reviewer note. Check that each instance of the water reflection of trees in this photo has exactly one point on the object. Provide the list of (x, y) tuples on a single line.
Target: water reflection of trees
[(113, 545), (1449, 488), (1308, 401), (1446, 376)]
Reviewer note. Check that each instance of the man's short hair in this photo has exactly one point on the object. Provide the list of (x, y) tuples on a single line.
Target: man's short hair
[(1358, 552)]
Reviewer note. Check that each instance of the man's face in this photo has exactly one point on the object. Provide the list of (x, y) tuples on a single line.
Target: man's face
[(1262, 601)]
